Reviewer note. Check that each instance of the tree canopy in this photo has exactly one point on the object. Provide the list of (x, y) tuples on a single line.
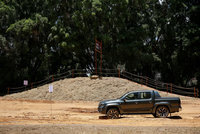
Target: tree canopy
[(43, 37)]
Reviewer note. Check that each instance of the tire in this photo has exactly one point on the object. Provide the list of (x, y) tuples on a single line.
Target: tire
[(154, 115), (112, 113), (162, 112)]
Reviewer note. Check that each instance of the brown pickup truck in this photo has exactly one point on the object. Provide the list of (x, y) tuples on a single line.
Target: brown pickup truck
[(140, 102)]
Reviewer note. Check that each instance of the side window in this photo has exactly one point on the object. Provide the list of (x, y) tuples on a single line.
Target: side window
[(132, 96), (145, 95)]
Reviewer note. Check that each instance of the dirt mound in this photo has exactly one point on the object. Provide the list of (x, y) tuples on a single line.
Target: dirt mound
[(83, 88)]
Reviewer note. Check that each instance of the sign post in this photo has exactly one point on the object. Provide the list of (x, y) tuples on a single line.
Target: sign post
[(25, 83), (98, 49), (51, 91), (50, 88)]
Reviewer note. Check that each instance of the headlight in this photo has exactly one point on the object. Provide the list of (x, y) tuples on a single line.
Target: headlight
[(101, 105)]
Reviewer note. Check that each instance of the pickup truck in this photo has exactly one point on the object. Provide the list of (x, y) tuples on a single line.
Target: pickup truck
[(140, 102)]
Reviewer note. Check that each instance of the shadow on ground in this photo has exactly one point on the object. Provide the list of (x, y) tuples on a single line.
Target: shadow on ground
[(171, 117), (105, 117), (175, 117)]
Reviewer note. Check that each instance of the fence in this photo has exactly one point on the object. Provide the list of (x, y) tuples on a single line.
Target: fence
[(167, 87), (143, 80), (50, 79)]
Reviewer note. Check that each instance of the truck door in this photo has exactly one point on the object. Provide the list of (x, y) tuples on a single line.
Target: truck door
[(144, 102), (137, 102), (130, 103)]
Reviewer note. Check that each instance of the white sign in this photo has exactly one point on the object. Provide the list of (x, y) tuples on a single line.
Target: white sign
[(26, 82), (88, 74), (50, 88)]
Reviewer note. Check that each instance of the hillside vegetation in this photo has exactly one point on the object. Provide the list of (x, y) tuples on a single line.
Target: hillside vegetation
[(39, 38)]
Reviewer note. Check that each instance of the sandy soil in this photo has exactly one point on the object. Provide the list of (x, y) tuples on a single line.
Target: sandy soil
[(94, 129), (68, 115), (31, 114), (83, 89)]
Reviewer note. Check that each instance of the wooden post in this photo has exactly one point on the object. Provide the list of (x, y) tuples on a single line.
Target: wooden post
[(96, 62), (167, 88), (119, 73), (194, 92), (98, 48), (72, 73), (101, 59), (171, 87), (146, 81), (8, 90), (95, 57), (52, 79), (197, 93), (31, 85), (155, 83)]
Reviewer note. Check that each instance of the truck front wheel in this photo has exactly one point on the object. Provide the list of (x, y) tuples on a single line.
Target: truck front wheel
[(162, 112), (113, 113)]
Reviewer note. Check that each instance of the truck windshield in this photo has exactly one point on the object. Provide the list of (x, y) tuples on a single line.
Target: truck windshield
[(123, 96), (157, 95)]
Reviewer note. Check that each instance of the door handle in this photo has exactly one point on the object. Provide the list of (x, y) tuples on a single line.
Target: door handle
[(150, 102), (136, 102)]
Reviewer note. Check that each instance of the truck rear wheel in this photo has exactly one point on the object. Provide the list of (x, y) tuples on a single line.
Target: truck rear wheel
[(154, 115), (162, 112), (113, 113)]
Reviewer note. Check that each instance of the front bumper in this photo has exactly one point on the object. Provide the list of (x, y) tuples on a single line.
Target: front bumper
[(180, 109), (102, 109)]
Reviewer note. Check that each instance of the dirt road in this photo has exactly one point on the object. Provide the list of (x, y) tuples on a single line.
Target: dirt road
[(33, 114)]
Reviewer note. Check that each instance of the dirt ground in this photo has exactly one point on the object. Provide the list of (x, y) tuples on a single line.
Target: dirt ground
[(27, 116), (84, 89), (72, 108)]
